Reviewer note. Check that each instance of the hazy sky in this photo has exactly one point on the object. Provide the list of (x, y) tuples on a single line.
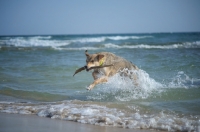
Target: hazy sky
[(28, 17)]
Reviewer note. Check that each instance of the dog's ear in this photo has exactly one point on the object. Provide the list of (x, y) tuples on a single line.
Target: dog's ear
[(86, 53), (99, 56)]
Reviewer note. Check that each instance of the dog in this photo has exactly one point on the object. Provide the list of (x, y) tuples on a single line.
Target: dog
[(105, 65)]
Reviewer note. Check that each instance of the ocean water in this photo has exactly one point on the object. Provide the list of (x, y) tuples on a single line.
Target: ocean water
[(36, 77)]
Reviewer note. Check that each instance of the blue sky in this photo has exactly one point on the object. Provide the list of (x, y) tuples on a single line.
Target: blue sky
[(34, 17)]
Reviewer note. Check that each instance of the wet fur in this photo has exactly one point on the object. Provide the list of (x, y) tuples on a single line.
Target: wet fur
[(101, 75)]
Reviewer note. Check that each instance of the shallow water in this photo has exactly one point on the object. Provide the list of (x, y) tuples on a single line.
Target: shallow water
[(38, 71)]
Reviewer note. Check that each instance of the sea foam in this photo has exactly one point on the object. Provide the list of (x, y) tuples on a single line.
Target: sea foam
[(104, 38), (38, 41), (101, 115), (195, 44), (98, 43)]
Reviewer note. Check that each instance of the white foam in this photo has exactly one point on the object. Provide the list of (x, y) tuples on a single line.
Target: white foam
[(102, 39), (47, 41), (110, 45), (141, 46), (89, 40), (182, 80), (128, 37), (104, 116), (145, 46), (125, 89), (81, 48), (42, 37), (34, 42)]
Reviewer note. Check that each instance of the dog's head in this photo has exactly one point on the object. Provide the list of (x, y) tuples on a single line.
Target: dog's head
[(93, 59)]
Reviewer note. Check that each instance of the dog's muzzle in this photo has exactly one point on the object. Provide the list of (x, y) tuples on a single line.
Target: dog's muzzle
[(87, 69)]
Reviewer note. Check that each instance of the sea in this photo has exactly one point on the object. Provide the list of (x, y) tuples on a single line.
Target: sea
[(36, 77)]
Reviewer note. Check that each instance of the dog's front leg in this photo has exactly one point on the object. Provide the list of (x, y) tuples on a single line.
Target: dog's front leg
[(98, 81)]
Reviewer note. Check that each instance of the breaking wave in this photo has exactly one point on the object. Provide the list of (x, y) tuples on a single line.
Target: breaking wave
[(86, 113), (38, 41), (45, 41), (82, 43), (119, 88), (104, 38), (81, 48), (145, 46), (140, 46), (128, 37)]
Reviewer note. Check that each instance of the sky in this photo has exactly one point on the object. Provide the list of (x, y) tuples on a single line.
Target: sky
[(45, 17)]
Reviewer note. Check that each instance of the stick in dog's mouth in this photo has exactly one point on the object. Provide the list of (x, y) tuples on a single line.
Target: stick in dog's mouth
[(87, 69)]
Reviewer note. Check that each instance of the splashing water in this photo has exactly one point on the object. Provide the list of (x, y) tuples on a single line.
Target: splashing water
[(124, 88), (182, 80)]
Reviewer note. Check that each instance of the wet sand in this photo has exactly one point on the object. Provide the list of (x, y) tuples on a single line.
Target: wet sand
[(33, 123)]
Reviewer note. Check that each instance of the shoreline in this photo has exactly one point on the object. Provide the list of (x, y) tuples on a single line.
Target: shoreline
[(33, 123)]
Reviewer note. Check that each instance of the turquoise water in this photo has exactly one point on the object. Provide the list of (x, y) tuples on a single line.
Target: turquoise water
[(39, 70)]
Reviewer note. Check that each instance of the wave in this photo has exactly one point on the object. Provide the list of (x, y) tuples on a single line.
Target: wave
[(128, 37), (81, 48), (41, 37), (37, 41), (188, 45), (63, 43), (48, 41), (89, 40), (145, 46), (84, 112), (104, 38)]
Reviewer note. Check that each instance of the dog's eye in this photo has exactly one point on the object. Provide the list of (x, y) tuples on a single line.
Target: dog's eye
[(92, 61)]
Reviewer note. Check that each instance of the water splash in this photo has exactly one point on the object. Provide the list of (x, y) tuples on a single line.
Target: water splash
[(182, 80), (123, 88)]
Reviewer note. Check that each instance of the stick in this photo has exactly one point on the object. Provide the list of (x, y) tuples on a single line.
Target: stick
[(95, 67)]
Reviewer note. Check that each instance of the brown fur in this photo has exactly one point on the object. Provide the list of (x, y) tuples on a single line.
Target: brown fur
[(101, 75)]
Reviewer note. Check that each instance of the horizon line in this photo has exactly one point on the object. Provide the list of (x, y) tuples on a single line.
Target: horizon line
[(99, 33)]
